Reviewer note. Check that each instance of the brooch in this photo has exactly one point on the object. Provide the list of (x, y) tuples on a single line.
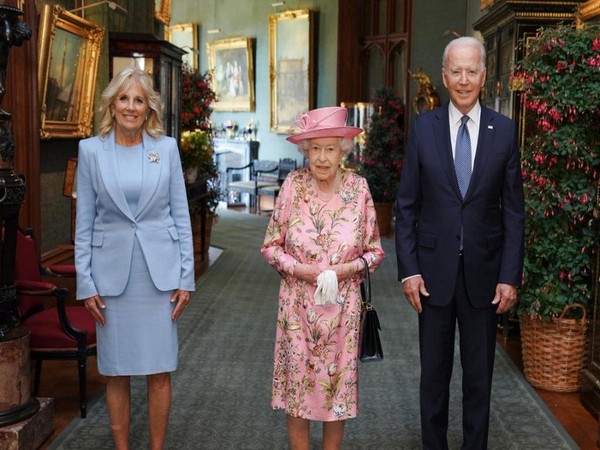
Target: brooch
[(153, 157)]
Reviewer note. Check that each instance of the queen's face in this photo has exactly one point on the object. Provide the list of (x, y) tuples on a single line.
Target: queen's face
[(324, 157), (130, 108)]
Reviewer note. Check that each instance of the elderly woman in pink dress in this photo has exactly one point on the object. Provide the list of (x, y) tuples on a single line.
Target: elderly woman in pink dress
[(323, 223)]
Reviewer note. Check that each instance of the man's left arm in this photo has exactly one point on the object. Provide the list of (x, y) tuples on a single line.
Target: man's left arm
[(513, 217)]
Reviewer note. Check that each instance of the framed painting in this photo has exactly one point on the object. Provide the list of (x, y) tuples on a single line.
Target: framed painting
[(231, 64), (185, 36), (69, 49), (290, 66), (162, 11), (485, 4)]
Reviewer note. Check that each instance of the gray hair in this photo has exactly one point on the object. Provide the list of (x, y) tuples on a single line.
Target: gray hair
[(465, 41), (346, 146)]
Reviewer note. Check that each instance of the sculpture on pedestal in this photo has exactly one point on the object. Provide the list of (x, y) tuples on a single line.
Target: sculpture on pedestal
[(17, 403), (13, 32)]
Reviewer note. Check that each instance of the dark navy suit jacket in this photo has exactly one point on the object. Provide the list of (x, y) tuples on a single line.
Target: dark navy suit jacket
[(430, 211)]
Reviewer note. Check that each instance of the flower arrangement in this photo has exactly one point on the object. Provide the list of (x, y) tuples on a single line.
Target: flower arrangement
[(196, 147), (381, 158), (196, 99), (560, 81), (196, 150)]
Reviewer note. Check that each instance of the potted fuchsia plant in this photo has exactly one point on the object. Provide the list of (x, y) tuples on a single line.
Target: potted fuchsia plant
[(559, 79)]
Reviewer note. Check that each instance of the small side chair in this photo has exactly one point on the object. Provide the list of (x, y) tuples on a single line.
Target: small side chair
[(286, 165), (58, 332)]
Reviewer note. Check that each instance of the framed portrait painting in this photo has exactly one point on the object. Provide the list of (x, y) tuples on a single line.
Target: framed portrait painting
[(231, 64), (162, 11), (290, 66), (185, 36), (69, 50)]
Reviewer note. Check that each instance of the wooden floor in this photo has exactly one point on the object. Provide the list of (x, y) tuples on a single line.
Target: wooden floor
[(59, 381)]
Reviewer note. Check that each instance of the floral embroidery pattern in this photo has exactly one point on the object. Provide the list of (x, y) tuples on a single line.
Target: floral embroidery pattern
[(315, 372)]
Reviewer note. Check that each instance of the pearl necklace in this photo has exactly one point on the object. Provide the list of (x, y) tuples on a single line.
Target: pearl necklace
[(333, 189)]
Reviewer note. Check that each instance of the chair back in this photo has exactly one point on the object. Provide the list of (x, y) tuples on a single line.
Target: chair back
[(26, 262), (27, 269), (286, 165), (260, 166)]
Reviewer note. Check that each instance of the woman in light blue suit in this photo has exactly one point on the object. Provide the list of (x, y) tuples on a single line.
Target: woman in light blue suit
[(133, 248)]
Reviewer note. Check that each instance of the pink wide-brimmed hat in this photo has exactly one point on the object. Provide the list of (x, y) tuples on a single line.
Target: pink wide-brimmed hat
[(322, 122)]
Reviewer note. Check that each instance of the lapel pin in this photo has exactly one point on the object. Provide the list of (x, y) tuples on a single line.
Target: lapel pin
[(490, 127), (153, 157)]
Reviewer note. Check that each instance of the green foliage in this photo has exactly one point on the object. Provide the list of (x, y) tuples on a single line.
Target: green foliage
[(560, 78), (196, 150), (196, 99), (381, 158)]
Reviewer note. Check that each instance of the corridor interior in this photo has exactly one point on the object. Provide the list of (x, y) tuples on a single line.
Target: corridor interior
[(59, 381)]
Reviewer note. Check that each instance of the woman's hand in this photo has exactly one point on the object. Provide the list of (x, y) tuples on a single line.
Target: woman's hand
[(347, 270), (94, 305), (182, 298), (307, 272)]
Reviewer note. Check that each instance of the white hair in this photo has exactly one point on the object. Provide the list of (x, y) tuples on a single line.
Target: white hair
[(465, 41), (346, 145)]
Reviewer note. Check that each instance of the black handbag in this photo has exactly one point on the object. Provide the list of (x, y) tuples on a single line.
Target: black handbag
[(369, 348)]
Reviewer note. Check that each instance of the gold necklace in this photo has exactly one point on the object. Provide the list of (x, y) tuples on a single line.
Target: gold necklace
[(333, 189)]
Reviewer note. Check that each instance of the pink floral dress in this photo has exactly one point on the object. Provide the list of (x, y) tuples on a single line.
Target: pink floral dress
[(315, 372)]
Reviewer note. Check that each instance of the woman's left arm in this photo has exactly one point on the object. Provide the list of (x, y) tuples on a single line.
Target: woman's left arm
[(181, 215), (372, 250)]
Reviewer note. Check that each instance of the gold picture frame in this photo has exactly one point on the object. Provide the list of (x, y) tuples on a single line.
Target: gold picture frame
[(69, 50), (588, 11), (483, 4), (162, 11), (290, 66), (231, 64), (185, 36)]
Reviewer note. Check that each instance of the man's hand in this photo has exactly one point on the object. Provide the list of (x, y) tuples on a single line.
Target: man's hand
[(413, 288), (505, 298)]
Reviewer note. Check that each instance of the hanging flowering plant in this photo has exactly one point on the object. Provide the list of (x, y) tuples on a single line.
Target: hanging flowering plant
[(381, 159), (196, 99), (560, 82)]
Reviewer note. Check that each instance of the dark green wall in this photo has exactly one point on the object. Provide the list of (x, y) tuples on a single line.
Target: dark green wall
[(433, 24)]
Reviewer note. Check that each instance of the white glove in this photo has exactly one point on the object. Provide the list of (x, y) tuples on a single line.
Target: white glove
[(327, 288)]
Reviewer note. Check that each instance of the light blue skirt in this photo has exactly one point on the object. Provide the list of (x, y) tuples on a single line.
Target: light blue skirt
[(139, 336)]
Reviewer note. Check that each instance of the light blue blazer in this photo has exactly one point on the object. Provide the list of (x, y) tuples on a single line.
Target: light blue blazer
[(106, 228)]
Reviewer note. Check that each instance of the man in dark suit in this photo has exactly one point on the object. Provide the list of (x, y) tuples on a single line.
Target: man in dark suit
[(459, 241)]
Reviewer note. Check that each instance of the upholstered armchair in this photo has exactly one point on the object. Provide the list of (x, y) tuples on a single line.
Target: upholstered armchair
[(57, 331)]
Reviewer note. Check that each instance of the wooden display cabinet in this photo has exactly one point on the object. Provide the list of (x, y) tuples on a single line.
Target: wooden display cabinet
[(159, 58)]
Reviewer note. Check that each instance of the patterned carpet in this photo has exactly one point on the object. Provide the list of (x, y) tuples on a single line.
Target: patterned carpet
[(221, 390)]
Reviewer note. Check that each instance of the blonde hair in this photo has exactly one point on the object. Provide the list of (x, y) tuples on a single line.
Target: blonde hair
[(123, 82)]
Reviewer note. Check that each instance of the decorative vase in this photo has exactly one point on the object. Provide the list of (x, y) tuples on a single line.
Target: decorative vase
[(191, 175), (554, 352), (384, 217)]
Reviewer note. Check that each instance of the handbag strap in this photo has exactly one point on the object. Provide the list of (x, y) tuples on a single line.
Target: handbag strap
[(365, 286)]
